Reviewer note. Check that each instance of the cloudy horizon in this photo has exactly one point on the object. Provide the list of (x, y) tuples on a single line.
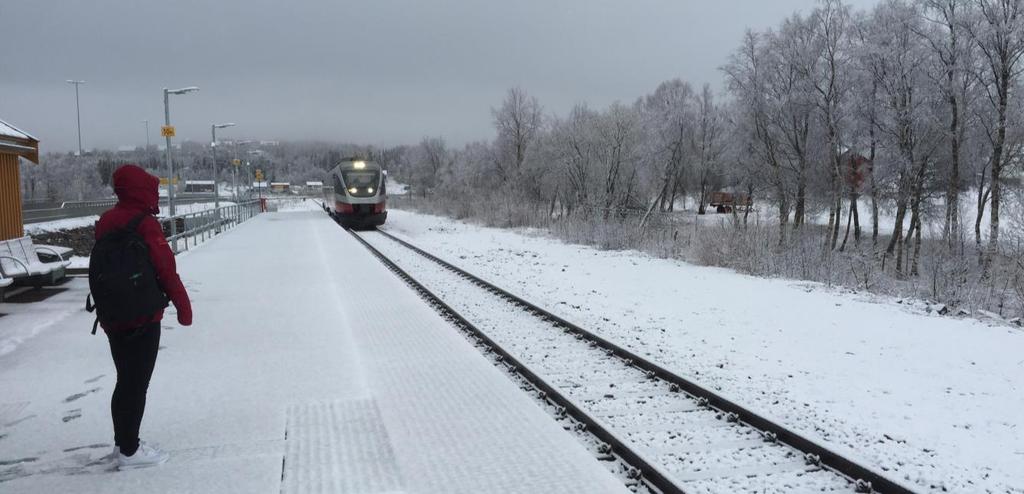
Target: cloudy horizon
[(379, 73)]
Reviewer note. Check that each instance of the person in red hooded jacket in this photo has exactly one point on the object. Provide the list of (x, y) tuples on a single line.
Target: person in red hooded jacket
[(134, 345)]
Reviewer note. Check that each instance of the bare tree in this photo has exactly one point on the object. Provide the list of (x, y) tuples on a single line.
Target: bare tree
[(747, 74), (708, 144), (954, 80), (572, 145), (619, 131), (999, 35), (517, 121), (668, 115), (829, 29)]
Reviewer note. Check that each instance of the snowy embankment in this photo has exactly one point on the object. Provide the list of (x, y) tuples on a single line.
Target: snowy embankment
[(930, 399)]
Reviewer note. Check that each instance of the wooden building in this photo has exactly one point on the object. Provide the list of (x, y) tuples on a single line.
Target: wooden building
[(14, 144)]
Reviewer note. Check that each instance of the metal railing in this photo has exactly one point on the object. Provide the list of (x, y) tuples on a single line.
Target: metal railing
[(88, 204), (78, 209), (202, 225)]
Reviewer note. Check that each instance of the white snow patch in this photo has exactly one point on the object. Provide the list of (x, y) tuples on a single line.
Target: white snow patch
[(57, 225), (9, 130)]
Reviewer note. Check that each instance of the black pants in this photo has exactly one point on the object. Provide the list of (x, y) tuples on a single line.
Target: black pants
[(134, 353)]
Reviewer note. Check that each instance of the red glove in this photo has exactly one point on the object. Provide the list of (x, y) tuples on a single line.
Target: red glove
[(185, 315)]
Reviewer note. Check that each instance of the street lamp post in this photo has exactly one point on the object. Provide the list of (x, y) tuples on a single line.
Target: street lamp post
[(168, 132), (78, 113), (216, 171)]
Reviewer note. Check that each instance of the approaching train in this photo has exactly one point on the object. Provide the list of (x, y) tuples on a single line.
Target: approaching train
[(354, 193)]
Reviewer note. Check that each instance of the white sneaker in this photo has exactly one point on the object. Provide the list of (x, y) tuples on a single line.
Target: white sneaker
[(145, 456)]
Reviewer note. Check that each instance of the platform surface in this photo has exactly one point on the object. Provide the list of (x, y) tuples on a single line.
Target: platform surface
[(310, 368)]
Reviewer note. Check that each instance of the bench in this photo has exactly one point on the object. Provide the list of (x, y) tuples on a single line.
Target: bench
[(4, 283), (54, 253), (20, 262)]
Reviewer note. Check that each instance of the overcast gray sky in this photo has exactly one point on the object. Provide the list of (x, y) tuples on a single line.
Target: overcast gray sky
[(378, 72)]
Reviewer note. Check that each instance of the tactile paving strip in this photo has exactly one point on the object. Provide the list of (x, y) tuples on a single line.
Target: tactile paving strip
[(338, 447)]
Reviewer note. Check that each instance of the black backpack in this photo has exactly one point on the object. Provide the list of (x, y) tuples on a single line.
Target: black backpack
[(122, 277)]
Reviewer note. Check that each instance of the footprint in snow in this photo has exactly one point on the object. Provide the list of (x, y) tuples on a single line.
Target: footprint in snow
[(97, 378), (88, 446), (18, 421), (7, 463), (81, 395), (71, 415)]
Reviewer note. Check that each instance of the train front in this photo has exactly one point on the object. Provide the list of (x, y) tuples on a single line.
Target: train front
[(359, 194)]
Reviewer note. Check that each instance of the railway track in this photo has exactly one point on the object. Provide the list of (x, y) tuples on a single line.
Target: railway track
[(672, 434)]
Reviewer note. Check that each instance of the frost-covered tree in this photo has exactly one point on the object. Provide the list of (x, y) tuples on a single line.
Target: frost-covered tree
[(518, 122), (998, 32), (708, 145), (668, 118), (952, 71)]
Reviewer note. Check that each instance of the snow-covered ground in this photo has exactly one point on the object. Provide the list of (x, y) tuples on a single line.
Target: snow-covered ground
[(294, 203), (930, 399), (397, 188), (1011, 216), (310, 368)]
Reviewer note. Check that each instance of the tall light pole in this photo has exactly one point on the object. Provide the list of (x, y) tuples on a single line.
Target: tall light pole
[(216, 171), (147, 133), (168, 131), (78, 112)]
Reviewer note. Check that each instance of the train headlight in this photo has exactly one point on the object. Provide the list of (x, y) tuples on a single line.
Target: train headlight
[(352, 190), (369, 190), (359, 165)]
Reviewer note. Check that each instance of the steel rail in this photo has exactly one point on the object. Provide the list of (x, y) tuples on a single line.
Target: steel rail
[(644, 470), (865, 479)]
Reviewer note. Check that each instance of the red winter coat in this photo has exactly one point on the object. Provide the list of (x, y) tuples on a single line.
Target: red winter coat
[(137, 193)]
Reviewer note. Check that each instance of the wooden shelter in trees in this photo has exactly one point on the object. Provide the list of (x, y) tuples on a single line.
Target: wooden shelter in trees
[(727, 201), (14, 144)]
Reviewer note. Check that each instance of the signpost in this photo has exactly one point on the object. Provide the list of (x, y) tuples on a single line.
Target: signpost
[(259, 188), (167, 130), (234, 177)]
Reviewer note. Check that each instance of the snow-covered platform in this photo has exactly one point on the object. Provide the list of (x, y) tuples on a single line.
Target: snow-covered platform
[(310, 368)]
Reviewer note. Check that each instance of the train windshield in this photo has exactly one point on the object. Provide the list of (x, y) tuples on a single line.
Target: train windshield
[(361, 178)]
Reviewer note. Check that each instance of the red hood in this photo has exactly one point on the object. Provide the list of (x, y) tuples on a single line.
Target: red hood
[(137, 189)]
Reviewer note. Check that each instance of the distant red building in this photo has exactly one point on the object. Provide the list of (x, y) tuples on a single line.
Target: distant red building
[(856, 169)]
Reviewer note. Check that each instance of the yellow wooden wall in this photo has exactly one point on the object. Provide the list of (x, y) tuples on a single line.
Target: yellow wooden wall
[(10, 198)]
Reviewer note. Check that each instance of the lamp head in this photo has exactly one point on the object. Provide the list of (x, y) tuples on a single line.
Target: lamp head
[(183, 90)]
